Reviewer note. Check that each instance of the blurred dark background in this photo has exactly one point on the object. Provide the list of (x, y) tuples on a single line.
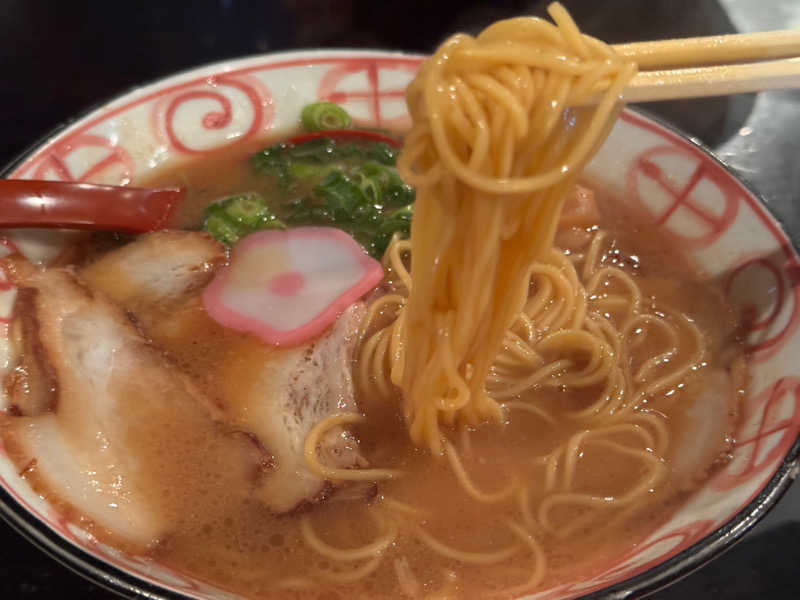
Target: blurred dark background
[(60, 57)]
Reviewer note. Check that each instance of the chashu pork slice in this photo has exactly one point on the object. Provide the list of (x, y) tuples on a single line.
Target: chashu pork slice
[(126, 431), (157, 272), (278, 395), (281, 395)]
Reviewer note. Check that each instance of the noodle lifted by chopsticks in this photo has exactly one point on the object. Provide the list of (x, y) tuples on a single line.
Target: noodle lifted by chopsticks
[(493, 150)]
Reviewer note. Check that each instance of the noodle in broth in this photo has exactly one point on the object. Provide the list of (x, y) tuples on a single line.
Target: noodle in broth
[(489, 310)]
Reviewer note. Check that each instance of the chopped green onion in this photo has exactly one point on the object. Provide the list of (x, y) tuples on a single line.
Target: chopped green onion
[(247, 210), (221, 230), (321, 150), (353, 186), (398, 222), (321, 116), (344, 198), (393, 190), (371, 188), (383, 153), (305, 171), (233, 218), (272, 161)]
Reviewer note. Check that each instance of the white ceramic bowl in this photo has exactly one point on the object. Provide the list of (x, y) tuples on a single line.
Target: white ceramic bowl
[(688, 193)]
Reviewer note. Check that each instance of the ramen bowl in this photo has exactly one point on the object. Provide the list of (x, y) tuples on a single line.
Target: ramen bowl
[(681, 188)]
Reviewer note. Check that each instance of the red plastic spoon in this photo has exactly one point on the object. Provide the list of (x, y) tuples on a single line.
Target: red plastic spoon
[(62, 205)]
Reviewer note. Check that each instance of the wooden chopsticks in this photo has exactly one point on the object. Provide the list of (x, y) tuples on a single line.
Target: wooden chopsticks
[(712, 66), (718, 80), (715, 49)]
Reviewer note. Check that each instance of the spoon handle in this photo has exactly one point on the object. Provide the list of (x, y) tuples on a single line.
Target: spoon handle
[(56, 204)]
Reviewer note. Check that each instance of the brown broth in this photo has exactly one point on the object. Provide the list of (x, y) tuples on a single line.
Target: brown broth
[(232, 541)]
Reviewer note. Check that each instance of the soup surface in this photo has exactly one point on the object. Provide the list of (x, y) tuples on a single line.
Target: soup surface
[(421, 534)]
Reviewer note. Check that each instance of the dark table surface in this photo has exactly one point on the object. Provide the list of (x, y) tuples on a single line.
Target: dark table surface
[(59, 57)]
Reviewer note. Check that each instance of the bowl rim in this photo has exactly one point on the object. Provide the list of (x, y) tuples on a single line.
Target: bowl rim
[(117, 580)]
